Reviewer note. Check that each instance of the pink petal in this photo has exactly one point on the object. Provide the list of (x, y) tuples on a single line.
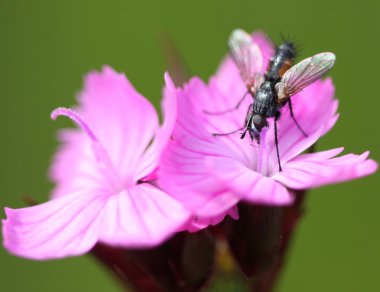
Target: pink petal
[(141, 216), (152, 156), (193, 123), (229, 82), (122, 119), (62, 227), (318, 169), (182, 172), (97, 169), (218, 203), (199, 223), (74, 167), (249, 185), (315, 110), (319, 156)]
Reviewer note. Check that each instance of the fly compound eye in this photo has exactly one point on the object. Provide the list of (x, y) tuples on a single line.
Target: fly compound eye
[(258, 122)]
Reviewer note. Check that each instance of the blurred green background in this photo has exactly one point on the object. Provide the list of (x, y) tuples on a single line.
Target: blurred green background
[(47, 46)]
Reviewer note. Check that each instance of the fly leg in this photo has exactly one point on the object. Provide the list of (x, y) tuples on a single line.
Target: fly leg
[(276, 117), (294, 119), (229, 110), (228, 133), (245, 127)]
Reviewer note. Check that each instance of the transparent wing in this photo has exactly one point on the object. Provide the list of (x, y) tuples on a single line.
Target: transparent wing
[(303, 74), (247, 56)]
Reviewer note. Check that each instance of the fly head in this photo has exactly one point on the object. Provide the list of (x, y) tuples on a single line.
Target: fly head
[(255, 124)]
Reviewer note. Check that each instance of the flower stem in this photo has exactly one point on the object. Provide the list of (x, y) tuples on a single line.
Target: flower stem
[(268, 278), (260, 239), (183, 263)]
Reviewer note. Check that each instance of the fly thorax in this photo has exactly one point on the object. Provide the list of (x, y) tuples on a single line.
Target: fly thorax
[(264, 100)]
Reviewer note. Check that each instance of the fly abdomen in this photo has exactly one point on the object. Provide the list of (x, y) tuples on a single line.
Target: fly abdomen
[(281, 62)]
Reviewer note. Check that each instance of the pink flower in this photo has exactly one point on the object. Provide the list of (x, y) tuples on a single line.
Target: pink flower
[(103, 173), (211, 174)]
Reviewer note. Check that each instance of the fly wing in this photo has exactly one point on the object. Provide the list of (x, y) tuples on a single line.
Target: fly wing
[(247, 56), (303, 74)]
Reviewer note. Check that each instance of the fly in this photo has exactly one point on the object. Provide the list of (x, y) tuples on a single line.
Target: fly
[(274, 89)]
